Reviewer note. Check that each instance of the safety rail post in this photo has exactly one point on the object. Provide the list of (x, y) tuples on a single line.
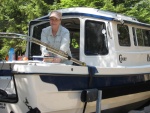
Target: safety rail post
[(98, 102)]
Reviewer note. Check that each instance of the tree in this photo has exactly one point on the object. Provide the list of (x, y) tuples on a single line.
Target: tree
[(15, 16), (141, 11)]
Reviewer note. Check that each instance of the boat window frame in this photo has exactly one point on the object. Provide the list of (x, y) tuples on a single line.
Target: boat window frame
[(31, 52), (134, 36), (75, 51), (105, 46), (123, 39), (74, 35), (142, 31)]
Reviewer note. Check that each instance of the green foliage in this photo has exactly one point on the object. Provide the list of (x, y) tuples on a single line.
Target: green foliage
[(75, 43), (120, 9), (96, 4), (108, 5), (15, 16), (7, 43), (73, 3), (141, 11)]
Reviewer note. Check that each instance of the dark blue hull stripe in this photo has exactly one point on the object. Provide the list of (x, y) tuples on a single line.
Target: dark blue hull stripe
[(111, 86)]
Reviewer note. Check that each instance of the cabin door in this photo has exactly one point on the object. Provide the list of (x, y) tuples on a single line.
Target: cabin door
[(95, 48)]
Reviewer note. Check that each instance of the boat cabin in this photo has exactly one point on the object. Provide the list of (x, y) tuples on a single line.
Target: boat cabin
[(100, 38)]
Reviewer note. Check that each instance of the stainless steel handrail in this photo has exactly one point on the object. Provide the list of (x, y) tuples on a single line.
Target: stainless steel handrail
[(38, 42)]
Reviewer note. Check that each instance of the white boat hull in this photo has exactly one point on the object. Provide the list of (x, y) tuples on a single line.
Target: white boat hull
[(49, 99)]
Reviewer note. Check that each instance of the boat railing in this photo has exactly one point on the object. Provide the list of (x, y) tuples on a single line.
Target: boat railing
[(38, 42)]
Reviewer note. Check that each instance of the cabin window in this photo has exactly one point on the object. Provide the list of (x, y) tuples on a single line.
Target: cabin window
[(134, 36), (123, 35), (140, 37), (72, 24), (35, 49), (143, 37), (95, 38), (146, 35)]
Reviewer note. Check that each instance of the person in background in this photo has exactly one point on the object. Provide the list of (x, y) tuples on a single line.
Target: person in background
[(58, 37)]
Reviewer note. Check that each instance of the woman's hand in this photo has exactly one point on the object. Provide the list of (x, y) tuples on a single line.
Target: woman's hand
[(53, 60), (56, 60), (48, 59)]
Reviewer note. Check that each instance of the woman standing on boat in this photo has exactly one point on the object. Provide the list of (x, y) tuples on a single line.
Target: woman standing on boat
[(57, 36)]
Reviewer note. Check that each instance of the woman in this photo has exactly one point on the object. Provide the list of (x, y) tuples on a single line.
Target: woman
[(57, 36)]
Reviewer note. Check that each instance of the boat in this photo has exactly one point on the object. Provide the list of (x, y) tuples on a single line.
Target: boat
[(110, 71)]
